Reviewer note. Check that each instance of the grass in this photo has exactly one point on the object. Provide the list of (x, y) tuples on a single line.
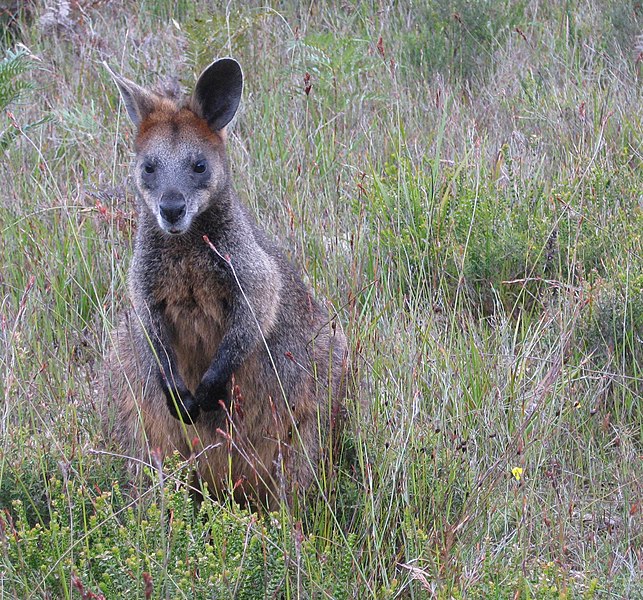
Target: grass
[(462, 182)]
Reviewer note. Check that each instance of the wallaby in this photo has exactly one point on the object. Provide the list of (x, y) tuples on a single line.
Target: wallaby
[(224, 354)]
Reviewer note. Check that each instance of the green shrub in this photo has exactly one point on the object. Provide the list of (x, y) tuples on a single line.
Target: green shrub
[(13, 88), (482, 245), (163, 544)]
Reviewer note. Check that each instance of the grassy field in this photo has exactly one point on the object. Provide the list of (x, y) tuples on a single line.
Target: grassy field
[(462, 182)]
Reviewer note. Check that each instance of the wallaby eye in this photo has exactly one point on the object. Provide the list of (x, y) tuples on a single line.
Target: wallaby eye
[(149, 168), (199, 166)]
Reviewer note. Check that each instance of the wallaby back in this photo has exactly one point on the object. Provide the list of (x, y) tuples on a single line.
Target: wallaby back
[(224, 354)]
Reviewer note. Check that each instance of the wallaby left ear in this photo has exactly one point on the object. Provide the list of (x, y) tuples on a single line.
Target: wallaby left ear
[(138, 101), (217, 93)]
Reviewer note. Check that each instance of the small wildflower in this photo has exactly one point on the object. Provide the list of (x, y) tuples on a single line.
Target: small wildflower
[(517, 473)]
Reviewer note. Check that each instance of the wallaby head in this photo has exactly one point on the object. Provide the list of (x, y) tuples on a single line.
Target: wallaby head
[(180, 168)]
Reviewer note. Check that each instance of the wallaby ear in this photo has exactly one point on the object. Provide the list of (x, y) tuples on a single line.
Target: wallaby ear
[(138, 101), (217, 93)]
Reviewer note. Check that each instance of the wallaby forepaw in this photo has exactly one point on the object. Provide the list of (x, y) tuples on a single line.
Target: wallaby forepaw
[(210, 396), (184, 407)]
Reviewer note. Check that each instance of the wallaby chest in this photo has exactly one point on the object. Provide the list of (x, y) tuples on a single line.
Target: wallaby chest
[(194, 297), (190, 289)]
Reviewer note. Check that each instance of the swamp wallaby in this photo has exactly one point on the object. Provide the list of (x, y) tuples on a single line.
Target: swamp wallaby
[(224, 353)]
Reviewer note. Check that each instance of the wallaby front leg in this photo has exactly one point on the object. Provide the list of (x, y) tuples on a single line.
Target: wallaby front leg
[(180, 401), (256, 283), (240, 340)]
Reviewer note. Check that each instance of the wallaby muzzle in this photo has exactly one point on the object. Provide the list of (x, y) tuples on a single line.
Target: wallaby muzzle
[(172, 207)]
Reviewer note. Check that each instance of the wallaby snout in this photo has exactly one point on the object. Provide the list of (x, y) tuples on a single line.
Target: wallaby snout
[(172, 207)]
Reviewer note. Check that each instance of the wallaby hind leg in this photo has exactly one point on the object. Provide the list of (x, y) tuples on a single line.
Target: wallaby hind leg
[(318, 420)]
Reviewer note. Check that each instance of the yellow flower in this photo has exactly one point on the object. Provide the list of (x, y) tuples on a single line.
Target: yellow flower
[(517, 473)]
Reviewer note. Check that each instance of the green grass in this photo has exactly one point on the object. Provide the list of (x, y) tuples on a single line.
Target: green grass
[(463, 183)]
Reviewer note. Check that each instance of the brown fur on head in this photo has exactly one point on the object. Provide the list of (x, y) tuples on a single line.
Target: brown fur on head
[(180, 158)]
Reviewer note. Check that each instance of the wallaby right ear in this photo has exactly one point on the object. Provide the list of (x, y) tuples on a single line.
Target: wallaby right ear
[(217, 92), (138, 101)]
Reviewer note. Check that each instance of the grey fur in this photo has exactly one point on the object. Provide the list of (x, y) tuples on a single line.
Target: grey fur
[(226, 346)]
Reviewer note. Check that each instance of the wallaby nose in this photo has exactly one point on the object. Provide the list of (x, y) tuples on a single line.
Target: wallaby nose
[(172, 207)]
